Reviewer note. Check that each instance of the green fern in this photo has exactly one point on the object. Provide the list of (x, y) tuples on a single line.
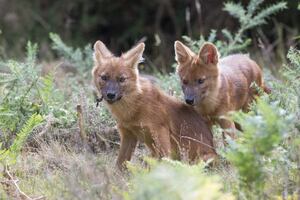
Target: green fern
[(9, 156), (31, 54), (236, 10), (248, 17), (253, 6), (23, 92), (80, 58), (47, 87)]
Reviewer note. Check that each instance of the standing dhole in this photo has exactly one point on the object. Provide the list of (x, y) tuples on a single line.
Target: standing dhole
[(144, 113), (216, 86)]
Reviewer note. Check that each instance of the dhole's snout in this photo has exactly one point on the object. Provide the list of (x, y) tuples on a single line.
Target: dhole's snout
[(189, 96), (189, 101), (111, 92)]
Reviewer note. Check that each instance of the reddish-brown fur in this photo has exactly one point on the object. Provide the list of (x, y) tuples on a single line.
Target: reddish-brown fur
[(225, 84), (146, 114)]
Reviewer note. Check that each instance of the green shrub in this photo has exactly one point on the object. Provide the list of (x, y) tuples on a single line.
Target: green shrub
[(9, 156), (82, 59), (266, 154), (174, 180), (263, 131), (249, 18), (23, 92)]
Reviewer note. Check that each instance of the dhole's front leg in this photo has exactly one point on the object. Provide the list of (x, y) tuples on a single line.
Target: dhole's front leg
[(128, 144), (229, 127), (162, 142)]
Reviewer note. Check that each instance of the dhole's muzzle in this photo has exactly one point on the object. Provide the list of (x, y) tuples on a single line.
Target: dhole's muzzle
[(111, 91), (189, 95), (194, 94)]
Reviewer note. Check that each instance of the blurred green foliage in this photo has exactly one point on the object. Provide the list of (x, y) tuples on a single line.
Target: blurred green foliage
[(173, 180)]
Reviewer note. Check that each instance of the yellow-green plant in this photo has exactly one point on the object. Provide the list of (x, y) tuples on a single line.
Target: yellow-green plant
[(9, 156), (172, 180), (249, 18)]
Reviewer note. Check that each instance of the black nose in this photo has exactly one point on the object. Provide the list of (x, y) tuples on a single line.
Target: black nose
[(111, 96), (189, 101)]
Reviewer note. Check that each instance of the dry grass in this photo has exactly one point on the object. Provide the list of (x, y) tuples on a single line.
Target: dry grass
[(58, 173)]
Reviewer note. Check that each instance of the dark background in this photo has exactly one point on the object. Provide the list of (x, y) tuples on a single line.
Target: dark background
[(122, 23)]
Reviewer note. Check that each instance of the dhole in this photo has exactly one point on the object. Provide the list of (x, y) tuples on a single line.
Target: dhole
[(144, 113), (216, 86)]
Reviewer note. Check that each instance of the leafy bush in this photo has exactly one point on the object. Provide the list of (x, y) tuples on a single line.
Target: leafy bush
[(173, 180), (25, 92), (249, 18), (81, 58), (263, 130), (266, 154), (9, 156)]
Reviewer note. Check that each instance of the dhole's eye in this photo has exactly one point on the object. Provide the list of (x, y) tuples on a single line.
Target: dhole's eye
[(122, 79), (200, 80), (104, 77), (185, 82)]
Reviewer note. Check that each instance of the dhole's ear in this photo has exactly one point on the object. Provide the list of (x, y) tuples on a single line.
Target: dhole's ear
[(134, 55), (101, 52), (209, 54), (182, 52)]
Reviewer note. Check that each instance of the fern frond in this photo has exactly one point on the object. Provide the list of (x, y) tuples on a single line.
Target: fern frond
[(6, 78), (212, 36), (47, 87), (82, 59), (253, 6), (228, 35), (59, 45), (31, 53), (236, 10), (265, 13), (11, 154), (240, 46)]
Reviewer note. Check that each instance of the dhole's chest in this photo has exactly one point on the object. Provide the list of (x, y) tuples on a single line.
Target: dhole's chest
[(142, 131)]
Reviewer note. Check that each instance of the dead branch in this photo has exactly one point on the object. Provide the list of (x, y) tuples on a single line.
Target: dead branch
[(106, 141), (82, 132), (81, 123), (198, 141), (12, 181)]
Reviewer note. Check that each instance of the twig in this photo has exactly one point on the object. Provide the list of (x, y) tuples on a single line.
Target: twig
[(81, 127), (106, 141), (195, 140), (12, 180), (81, 123)]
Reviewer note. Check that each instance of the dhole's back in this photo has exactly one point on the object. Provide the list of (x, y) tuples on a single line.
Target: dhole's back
[(240, 72)]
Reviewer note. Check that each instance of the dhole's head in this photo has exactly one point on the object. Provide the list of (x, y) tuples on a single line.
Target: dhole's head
[(116, 77), (198, 72)]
